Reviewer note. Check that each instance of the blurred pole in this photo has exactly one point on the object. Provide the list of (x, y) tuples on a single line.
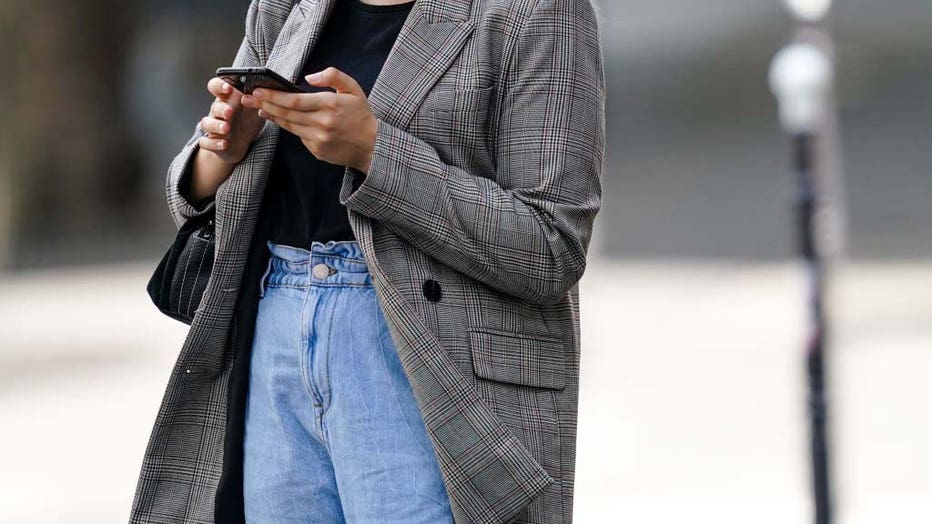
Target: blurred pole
[(807, 207), (801, 77)]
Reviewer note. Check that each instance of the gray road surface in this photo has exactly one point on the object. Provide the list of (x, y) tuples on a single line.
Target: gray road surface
[(691, 405)]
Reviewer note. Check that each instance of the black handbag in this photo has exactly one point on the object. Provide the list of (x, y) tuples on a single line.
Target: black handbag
[(177, 285)]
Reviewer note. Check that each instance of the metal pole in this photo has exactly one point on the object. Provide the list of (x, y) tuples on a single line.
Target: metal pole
[(801, 78), (807, 208)]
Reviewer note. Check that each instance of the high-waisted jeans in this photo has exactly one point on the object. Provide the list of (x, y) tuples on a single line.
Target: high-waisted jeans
[(333, 433)]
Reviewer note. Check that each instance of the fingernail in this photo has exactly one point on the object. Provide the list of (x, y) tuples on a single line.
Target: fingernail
[(220, 144), (258, 93), (247, 99), (313, 78)]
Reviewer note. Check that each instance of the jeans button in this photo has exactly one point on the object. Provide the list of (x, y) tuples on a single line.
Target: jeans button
[(321, 270)]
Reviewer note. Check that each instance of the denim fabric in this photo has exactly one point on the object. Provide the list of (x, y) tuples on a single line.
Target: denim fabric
[(333, 433)]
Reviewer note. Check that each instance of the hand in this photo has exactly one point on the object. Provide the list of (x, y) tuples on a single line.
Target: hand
[(337, 127), (231, 127)]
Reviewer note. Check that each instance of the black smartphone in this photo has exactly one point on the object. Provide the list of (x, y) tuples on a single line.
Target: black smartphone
[(246, 79)]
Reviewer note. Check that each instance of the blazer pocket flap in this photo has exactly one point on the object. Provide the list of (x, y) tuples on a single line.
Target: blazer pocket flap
[(517, 358), (450, 100)]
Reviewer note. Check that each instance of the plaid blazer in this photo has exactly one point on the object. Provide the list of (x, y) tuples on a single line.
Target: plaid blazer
[(485, 179)]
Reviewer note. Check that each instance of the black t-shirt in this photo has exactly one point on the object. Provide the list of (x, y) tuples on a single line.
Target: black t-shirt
[(304, 194)]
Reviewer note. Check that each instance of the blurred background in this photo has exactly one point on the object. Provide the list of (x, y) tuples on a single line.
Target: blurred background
[(692, 401)]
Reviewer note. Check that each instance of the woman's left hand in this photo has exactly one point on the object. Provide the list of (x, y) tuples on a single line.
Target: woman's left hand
[(337, 127)]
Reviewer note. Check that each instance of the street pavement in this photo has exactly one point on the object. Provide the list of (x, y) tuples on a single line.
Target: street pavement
[(692, 405)]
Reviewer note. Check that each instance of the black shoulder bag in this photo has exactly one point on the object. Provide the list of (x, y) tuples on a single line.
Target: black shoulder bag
[(178, 283)]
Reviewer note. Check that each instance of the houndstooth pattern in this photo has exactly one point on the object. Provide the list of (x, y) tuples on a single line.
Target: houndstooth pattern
[(485, 177)]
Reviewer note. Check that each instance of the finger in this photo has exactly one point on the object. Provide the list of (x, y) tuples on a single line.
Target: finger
[(319, 120), (221, 110), (215, 126), (298, 115), (297, 101), (295, 128), (212, 144), (335, 79), (219, 87), (309, 135)]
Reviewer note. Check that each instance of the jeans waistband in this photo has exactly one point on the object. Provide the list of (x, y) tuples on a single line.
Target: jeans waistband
[(334, 263)]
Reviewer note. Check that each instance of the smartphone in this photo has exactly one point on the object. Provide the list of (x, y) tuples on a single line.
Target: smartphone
[(246, 79)]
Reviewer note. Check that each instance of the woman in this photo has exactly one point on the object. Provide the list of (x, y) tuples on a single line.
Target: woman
[(395, 336)]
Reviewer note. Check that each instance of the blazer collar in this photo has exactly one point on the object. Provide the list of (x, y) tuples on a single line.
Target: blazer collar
[(430, 39)]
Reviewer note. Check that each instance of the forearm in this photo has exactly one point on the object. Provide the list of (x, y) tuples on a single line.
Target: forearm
[(207, 174)]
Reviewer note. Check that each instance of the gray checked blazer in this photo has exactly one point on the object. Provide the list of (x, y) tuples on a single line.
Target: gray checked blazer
[(486, 179)]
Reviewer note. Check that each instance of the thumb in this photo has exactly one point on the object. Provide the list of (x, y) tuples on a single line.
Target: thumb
[(336, 79)]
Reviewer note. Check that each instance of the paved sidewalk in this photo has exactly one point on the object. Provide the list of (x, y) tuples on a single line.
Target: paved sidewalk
[(691, 403)]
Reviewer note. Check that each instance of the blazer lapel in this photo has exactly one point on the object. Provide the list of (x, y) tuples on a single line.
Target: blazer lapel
[(295, 40), (298, 36), (239, 199), (429, 41)]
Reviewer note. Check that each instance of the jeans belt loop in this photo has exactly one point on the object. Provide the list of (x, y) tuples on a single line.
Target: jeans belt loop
[(268, 269)]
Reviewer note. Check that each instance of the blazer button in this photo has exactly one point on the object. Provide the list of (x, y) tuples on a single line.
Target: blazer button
[(432, 290)]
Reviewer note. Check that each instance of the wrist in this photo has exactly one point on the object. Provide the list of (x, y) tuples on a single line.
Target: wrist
[(221, 161), (365, 158), (365, 163), (208, 171)]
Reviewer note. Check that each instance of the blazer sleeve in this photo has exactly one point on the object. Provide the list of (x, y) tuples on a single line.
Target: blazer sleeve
[(178, 179), (530, 241)]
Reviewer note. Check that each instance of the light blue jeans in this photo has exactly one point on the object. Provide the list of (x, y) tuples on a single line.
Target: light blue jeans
[(333, 433)]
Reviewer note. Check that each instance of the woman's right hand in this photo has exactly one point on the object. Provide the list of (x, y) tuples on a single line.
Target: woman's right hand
[(231, 126)]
